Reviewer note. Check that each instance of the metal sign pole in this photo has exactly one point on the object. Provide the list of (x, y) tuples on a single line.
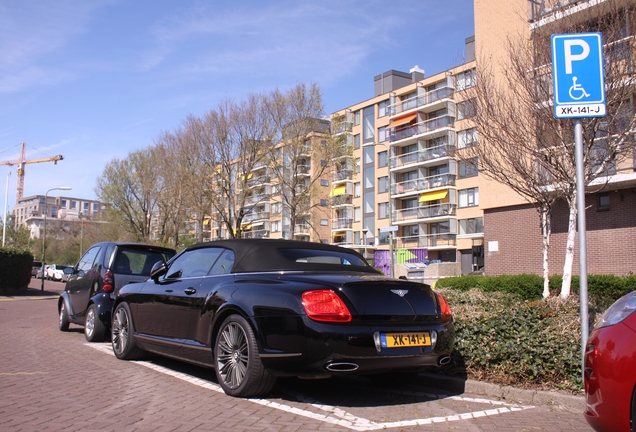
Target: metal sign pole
[(580, 209)]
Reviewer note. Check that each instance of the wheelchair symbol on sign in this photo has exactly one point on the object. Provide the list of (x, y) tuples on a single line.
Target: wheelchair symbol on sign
[(578, 90)]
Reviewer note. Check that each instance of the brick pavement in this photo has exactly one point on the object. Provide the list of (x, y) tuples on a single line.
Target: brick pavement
[(52, 380)]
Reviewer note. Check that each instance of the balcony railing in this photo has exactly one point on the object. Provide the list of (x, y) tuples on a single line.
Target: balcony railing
[(431, 182), (427, 241), (302, 228), (418, 101), (251, 217), (420, 128), (303, 169), (345, 126), (346, 174), (419, 156), (342, 200), (342, 223), (254, 181), (256, 234), (424, 212)]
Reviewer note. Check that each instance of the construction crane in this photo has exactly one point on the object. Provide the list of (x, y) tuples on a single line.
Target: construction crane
[(23, 161)]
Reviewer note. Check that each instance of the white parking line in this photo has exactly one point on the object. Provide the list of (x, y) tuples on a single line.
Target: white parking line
[(338, 416)]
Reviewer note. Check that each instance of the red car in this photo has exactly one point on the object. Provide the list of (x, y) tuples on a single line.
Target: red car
[(610, 369)]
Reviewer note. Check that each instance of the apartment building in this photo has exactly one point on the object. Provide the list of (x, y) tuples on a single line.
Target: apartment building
[(407, 189), (512, 238), (29, 212), (405, 186)]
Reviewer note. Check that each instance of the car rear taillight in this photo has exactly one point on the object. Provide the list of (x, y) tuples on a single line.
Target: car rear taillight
[(108, 281), (445, 310), (325, 305)]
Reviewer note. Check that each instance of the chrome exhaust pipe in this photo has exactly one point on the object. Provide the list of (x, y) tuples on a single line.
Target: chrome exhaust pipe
[(341, 367), (443, 360)]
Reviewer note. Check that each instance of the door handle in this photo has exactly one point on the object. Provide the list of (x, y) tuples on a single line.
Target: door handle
[(190, 290), (168, 290)]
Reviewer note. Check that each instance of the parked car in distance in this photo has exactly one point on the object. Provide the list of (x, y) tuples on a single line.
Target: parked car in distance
[(94, 281), (41, 272), (610, 369), (55, 271), (257, 309), (37, 265)]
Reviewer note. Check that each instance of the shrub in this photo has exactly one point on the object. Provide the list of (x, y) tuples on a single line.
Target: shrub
[(502, 338), (15, 269)]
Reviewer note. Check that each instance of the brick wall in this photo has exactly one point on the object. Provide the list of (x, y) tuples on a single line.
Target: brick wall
[(611, 237)]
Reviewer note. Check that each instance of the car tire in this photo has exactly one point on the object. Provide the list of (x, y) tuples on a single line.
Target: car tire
[(238, 366), (63, 316), (123, 334), (94, 328)]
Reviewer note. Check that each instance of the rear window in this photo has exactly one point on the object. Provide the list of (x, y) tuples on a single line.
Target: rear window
[(134, 261), (317, 256)]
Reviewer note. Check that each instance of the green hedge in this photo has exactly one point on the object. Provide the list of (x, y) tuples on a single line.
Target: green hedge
[(504, 339), (15, 269), (604, 288)]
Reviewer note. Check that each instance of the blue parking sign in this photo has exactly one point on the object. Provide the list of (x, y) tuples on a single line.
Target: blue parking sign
[(577, 75)]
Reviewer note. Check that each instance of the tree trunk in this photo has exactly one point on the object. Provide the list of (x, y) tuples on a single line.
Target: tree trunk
[(569, 249), (546, 231)]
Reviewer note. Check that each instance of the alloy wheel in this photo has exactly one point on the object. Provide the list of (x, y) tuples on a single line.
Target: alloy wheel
[(232, 355)]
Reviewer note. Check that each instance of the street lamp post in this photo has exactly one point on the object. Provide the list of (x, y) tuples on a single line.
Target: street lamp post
[(46, 210), (391, 258)]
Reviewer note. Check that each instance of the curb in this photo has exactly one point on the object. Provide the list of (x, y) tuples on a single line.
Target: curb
[(562, 400)]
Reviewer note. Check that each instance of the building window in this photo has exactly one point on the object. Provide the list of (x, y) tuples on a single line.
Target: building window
[(383, 210), (324, 222), (383, 160), (356, 214), (324, 202), (467, 168), (466, 138), (467, 109), (53, 212), (368, 128), (276, 208), (411, 231), (383, 108), (409, 101), (95, 207), (323, 162), (356, 118), (469, 197), (324, 182), (466, 80), (383, 134), (73, 205), (603, 201), (356, 190), (383, 184), (63, 203), (471, 226), (356, 141), (276, 226)]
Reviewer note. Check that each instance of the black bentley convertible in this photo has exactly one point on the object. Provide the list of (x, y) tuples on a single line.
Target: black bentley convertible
[(258, 309)]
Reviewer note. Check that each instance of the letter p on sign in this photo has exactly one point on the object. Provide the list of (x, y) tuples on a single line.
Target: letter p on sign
[(570, 57)]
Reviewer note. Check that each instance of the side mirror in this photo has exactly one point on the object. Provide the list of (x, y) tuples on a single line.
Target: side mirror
[(69, 270), (158, 269)]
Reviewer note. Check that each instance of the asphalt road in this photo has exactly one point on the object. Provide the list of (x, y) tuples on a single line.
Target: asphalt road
[(52, 380)]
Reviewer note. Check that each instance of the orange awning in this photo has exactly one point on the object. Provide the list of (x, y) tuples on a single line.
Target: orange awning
[(402, 120)]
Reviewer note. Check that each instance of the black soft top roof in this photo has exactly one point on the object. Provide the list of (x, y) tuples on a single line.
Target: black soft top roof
[(256, 255)]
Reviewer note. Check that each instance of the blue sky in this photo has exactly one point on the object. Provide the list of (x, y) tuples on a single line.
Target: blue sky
[(94, 80)]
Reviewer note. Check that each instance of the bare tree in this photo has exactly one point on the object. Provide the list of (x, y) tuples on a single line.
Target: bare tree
[(128, 187), (305, 149), (523, 146)]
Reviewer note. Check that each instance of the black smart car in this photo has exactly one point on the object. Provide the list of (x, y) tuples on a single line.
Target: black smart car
[(95, 280)]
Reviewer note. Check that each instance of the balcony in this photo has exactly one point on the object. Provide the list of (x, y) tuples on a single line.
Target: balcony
[(441, 240), (257, 181), (256, 234), (424, 212), (345, 174), (419, 185), (421, 101), (303, 169), (302, 229), (342, 200), (251, 217), (342, 223), (343, 127), (421, 156), (422, 128)]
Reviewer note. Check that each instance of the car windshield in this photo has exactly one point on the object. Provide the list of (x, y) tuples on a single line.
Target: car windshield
[(137, 261)]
